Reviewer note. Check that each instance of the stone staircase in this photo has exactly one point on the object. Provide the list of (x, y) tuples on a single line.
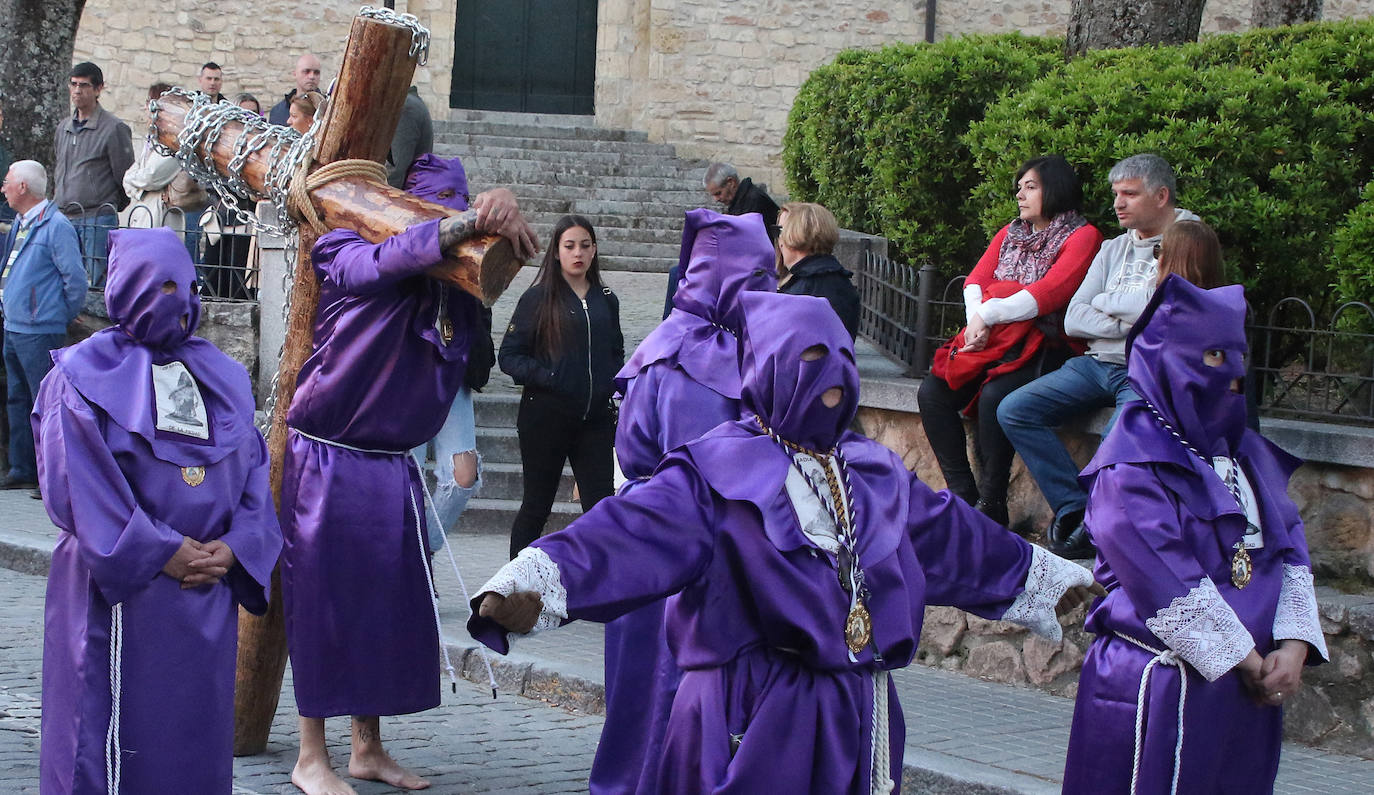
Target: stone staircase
[(634, 192)]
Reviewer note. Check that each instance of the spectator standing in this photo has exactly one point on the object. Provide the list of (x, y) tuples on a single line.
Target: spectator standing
[(806, 266), (307, 75), (248, 102), (211, 79), (414, 137), (43, 287), (148, 178), (1118, 285), (94, 149), (564, 346), (302, 111), (1014, 300)]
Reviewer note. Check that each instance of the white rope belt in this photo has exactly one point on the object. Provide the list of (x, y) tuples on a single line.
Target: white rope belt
[(1167, 657), (332, 443), (880, 777), (113, 761)]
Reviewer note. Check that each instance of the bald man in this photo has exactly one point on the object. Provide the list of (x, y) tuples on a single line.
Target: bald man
[(307, 75)]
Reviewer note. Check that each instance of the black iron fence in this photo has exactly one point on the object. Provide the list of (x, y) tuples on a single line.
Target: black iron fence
[(1304, 367), (222, 250)]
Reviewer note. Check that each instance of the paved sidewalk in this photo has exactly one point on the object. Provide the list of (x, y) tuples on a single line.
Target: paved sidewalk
[(963, 735)]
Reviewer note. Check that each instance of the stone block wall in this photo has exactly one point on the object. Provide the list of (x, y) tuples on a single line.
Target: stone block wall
[(231, 325), (1335, 708)]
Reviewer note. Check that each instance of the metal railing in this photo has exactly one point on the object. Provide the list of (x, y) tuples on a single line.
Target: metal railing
[(1302, 368), (223, 260)]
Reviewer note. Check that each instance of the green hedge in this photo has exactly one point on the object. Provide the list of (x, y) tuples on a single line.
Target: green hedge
[(1354, 250), (875, 136), (1271, 133)]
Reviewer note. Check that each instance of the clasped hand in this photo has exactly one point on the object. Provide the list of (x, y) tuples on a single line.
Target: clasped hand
[(195, 564), (1274, 678)]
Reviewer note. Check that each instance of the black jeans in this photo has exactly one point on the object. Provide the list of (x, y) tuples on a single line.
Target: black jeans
[(549, 435), (944, 426)]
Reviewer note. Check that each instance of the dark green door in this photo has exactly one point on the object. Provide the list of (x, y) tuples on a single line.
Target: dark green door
[(535, 56)]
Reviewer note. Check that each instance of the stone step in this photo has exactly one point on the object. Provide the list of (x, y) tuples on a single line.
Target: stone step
[(638, 264), (488, 168), (601, 182), (504, 481), (499, 445), (532, 125), (495, 409), (608, 235), (534, 205), (681, 197), (479, 141), (561, 161), (494, 516)]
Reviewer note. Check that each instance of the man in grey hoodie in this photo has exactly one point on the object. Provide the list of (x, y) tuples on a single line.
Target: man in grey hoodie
[(1115, 290)]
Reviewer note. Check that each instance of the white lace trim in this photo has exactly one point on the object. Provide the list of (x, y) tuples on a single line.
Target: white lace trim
[(1204, 630), (1046, 581), (1296, 616), (533, 570)]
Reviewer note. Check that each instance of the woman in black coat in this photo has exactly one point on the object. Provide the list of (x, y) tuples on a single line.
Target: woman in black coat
[(564, 346), (805, 264)]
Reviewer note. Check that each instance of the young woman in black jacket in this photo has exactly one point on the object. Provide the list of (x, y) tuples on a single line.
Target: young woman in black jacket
[(564, 346), (806, 265)]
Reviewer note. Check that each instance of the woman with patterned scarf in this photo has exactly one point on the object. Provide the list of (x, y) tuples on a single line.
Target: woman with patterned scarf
[(1014, 300)]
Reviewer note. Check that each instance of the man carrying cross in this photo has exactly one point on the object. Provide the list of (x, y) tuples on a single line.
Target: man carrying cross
[(390, 346)]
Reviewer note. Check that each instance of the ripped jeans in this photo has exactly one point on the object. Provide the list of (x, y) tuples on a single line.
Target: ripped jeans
[(459, 435)]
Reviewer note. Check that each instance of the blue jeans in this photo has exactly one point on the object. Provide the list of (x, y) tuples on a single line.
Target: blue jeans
[(193, 234), (1030, 414), (94, 231), (459, 435), (26, 362)]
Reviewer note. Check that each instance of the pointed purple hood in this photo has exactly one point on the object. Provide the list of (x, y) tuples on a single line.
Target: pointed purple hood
[(1164, 354), (113, 369), (782, 388), (722, 257), (429, 175)]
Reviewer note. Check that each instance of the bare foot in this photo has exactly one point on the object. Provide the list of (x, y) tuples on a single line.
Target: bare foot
[(316, 777), (377, 765)]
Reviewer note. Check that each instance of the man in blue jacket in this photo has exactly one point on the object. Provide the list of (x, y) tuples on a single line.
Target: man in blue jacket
[(43, 287)]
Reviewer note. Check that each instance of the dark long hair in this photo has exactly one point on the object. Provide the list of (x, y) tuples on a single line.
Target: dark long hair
[(549, 313), (1059, 186)]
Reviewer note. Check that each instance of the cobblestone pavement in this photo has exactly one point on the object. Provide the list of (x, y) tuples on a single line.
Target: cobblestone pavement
[(471, 744)]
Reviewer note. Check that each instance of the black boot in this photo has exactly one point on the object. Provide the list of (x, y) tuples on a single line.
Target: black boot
[(1076, 546), (996, 510), (1063, 525)]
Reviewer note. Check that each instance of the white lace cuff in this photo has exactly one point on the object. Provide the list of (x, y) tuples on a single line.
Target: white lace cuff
[(533, 570), (1046, 581), (1203, 629), (1296, 617)]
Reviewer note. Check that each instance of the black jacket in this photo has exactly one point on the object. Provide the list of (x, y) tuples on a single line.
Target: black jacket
[(751, 199), (822, 275), (582, 379)]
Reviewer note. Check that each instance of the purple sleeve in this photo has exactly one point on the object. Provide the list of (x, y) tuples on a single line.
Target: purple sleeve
[(88, 496), (358, 266), (969, 561), (254, 536), (663, 409), (626, 552)]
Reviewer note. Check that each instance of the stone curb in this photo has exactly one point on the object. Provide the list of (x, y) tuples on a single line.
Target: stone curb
[(924, 771)]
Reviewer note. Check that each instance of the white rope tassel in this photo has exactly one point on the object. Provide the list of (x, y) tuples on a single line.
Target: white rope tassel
[(113, 761), (1168, 657), (467, 600), (429, 578), (880, 777)]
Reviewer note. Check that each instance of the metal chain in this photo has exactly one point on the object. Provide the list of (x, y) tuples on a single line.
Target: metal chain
[(419, 34)]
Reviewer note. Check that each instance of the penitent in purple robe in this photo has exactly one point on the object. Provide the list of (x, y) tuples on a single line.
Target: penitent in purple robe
[(1166, 525), (681, 382), (127, 470), (771, 697), (359, 617)]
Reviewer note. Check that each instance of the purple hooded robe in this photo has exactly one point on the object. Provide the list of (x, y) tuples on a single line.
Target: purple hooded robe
[(681, 382), (771, 698), (123, 491), (1166, 525), (360, 621)]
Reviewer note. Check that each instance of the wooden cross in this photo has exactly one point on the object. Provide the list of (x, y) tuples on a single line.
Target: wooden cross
[(363, 112)]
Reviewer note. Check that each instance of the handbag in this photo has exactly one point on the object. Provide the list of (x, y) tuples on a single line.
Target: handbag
[(185, 193)]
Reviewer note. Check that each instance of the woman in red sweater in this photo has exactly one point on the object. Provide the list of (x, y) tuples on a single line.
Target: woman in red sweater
[(1014, 300)]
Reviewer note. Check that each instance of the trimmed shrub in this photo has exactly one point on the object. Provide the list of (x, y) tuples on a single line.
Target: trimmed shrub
[(875, 137), (1354, 250), (1267, 160)]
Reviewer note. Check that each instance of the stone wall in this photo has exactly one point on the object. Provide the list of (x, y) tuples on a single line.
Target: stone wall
[(231, 325), (1336, 501)]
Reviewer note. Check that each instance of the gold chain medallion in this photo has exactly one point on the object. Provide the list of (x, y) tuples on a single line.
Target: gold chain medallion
[(858, 628), (1241, 567), (193, 476)]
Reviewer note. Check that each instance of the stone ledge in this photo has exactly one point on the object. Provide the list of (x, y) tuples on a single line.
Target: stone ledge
[(1319, 442)]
